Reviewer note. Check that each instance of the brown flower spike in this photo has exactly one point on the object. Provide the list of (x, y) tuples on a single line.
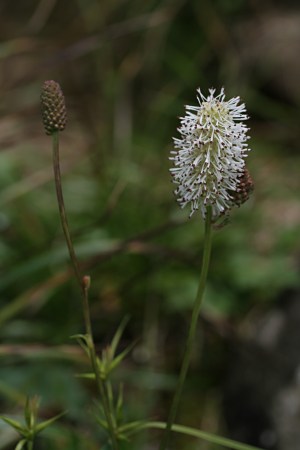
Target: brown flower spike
[(244, 188), (54, 112)]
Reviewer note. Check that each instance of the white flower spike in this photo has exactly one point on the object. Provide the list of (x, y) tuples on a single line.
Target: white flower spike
[(210, 156)]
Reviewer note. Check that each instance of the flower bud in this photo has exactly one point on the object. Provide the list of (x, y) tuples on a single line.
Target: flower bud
[(54, 112), (86, 281)]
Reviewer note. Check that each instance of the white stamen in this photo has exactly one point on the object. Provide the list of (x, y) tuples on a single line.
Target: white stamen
[(210, 155)]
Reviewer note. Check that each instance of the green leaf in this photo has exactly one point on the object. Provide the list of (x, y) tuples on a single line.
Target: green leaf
[(123, 437), (118, 334), (88, 376), (21, 444), (119, 406), (27, 413), (79, 336), (133, 426), (83, 340), (41, 426), (110, 395), (118, 359), (101, 367), (102, 423), (31, 411), (16, 425)]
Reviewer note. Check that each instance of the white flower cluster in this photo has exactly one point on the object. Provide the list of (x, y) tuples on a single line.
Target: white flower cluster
[(210, 156)]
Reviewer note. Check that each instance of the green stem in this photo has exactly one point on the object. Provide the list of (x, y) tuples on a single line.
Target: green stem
[(30, 444), (84, 287), (209, 437), (101, 384), (192, 331)]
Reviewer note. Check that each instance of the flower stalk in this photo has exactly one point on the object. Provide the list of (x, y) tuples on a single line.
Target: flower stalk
[(61, 206), (192, 432), (84, 284), (192, 331), (210, 173), (54, 118)]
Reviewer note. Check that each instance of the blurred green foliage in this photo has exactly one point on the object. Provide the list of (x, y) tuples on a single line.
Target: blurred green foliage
[(127, 68)]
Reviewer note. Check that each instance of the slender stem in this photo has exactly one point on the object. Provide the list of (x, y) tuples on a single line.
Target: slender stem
[(208, 437), (192, 331), (30, 444), (84, 287), (101, 384), (62, 210)]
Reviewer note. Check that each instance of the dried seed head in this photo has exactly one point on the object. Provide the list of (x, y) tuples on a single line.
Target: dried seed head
[(244, 188), (54, 112)]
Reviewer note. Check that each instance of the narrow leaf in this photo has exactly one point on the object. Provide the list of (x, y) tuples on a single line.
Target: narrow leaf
[(16, 425), (118, 334), (119, 406), (118, 359), (133, 426), (88, 376), (83, 341), (41, 426), (102, 423), (27, 412), (21, 444)]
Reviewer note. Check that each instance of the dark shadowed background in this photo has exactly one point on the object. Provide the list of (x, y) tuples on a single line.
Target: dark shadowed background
[(127, 68)]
